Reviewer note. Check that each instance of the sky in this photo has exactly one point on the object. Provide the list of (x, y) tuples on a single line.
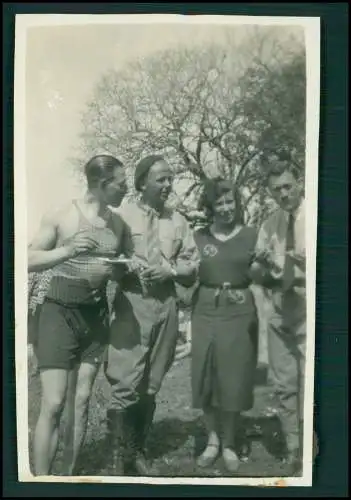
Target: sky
[(63, 64)]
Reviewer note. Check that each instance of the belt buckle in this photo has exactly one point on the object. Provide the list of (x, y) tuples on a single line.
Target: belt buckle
[(223, 287)]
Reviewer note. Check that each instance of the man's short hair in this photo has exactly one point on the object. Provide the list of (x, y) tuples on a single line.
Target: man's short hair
[(100, 167), (275, 164)]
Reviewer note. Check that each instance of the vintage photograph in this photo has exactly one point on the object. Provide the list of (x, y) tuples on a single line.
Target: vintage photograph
[(166, 179)]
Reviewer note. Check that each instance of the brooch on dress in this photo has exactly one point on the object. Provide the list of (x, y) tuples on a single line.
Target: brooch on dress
[(210, 250)]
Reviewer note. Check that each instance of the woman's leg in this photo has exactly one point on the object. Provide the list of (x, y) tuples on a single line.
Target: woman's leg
[(54, 387), (212, 424), (242, 442), (230, 421)]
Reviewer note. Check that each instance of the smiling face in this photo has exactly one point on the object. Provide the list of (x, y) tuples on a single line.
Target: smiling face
[(158, 184), (224, 209), (285, 190)]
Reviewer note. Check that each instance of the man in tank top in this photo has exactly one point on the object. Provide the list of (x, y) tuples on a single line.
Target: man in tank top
[(72, 330)]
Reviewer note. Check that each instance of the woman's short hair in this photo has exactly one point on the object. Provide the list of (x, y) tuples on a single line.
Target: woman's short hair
[(99, 168), (215, 189)]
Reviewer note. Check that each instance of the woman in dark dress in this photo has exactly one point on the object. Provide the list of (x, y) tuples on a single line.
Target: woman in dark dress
[(224, 324)]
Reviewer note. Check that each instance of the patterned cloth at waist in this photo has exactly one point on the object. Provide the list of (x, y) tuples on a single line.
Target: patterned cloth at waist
[(75, 291)]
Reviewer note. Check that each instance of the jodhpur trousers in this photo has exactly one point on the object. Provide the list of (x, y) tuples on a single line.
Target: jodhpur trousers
[(143, 339)]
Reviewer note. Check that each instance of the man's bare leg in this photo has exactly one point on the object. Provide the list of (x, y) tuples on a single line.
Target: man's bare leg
[(77, 413), (54, 388)]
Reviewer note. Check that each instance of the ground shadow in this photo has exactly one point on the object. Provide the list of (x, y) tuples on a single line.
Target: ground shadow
[(95, 454), (268, 431), (170, 434), (166, 436)]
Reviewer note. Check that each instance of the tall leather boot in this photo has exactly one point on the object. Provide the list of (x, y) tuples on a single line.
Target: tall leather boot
[(143, 418), (147, 407), (116, 436), (123, 440)]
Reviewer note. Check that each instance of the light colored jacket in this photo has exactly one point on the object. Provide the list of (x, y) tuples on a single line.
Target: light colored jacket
[(272, 236)]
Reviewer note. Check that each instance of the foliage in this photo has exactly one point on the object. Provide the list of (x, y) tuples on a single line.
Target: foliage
[(211, 110)]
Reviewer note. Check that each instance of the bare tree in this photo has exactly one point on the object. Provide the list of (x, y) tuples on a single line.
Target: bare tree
[(211, 110)]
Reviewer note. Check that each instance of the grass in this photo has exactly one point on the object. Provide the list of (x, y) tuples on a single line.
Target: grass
[(177, 434)]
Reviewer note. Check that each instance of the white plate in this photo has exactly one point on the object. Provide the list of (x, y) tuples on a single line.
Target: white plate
[(115, 260)]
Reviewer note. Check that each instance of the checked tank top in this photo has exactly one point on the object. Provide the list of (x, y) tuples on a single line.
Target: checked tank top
[(82, 279)]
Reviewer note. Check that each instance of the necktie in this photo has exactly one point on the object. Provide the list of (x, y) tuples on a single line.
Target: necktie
[(288, 275), (153, 250)]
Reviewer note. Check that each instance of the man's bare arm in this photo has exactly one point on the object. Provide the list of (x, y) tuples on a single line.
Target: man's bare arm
[(43, 253)]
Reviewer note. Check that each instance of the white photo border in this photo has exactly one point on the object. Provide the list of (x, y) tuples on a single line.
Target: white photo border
[(311, 26)]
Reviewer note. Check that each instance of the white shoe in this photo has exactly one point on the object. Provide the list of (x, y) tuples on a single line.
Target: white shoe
[(231, 460), (209, 456)]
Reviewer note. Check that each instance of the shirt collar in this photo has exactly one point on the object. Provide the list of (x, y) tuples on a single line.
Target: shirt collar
[(300, 208), (297, 211), (150, 210)]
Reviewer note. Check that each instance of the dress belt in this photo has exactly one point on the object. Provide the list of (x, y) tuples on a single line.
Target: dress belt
[(235, 293)]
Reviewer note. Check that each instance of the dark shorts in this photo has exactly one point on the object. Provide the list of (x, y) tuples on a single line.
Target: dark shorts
[(68, 335)]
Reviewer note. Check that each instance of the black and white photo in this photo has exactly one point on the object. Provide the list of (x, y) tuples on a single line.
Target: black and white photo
[(166, 180)]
